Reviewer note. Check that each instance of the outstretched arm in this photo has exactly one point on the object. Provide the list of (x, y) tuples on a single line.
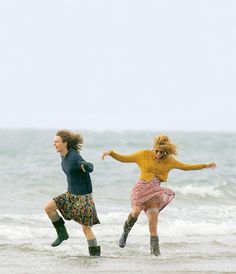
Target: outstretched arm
[(183, 166), (130, 158)]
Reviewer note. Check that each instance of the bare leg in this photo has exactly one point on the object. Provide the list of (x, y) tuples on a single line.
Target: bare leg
[(136, 211), (152, 214), (88, 232), (94, 249), (129, 223), (51, 210)]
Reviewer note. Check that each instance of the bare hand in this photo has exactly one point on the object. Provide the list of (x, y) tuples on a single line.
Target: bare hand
[(82, 166), (211, 165), (105, 154)]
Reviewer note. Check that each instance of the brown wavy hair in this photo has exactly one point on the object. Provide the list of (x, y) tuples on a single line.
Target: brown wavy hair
[(163, 142), (74, 140)]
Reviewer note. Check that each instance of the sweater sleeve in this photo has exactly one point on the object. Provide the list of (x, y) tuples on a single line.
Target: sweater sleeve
[(130, 158), (184, 166), (87, 166)]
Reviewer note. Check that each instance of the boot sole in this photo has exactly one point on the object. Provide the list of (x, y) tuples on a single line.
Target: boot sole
[(60, 242)]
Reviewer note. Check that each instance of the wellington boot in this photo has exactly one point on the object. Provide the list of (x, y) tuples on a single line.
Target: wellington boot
[(122, 240), (129, 223), (94, 250), (154, 245), (62, 234)]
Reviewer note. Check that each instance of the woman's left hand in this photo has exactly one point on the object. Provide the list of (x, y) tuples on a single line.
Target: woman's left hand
[(105, 154), (83, 168), (211, 165)]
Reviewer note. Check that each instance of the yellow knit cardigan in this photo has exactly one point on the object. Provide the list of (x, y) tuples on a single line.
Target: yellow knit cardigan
[(150, 167)]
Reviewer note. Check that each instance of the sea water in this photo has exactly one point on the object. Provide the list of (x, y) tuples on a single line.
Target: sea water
[(197, 230)]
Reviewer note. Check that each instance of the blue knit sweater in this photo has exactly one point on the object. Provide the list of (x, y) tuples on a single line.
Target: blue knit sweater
[(79, 182)]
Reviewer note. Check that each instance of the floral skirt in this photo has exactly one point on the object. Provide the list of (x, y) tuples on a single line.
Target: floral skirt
[(145, 193), (80, 208)]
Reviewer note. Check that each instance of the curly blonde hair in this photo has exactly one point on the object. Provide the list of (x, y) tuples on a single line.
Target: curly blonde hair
[(163, 142), (74, 140)]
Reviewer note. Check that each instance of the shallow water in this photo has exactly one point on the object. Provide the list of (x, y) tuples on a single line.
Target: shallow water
[(197, 230)]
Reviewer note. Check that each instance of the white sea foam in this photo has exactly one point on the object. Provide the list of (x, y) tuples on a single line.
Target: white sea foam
[(198, 228), (223, 190), (15, 232), (36, 227), (200, 191)]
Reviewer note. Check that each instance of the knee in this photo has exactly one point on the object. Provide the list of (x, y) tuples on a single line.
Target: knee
[(152, 228), (135, 213), (47, 208), (152, 225), (86, 229)]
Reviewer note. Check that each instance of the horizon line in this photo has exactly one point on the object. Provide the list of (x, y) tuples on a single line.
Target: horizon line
[(121, 130)]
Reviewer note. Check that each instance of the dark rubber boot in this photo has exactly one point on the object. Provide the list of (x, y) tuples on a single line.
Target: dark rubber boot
[(129, 223), (94, 250), (62, 234), (154, 245)]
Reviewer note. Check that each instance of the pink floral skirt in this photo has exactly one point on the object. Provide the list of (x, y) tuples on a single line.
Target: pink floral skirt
[(144, 193)]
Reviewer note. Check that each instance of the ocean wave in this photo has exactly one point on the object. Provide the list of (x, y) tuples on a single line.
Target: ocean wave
[(198, 228), (175, 223), (222, 190)]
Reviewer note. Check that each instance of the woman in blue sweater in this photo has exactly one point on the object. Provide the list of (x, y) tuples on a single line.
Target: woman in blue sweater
[(77, 203)]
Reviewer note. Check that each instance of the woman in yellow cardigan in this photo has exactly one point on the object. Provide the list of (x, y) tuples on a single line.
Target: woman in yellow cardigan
[(147, 194)]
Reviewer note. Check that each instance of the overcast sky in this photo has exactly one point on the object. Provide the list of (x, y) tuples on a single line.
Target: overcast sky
[(139, 65)]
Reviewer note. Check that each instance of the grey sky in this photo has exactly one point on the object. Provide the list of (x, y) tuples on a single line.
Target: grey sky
[(162, 65)]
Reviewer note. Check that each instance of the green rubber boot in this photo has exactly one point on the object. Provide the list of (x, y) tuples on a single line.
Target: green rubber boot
[(62, 234), (129, 223), (154, 245), (94, 251)]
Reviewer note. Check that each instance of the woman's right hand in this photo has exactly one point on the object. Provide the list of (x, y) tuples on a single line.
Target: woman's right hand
[(211, 165), (105, 154)]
